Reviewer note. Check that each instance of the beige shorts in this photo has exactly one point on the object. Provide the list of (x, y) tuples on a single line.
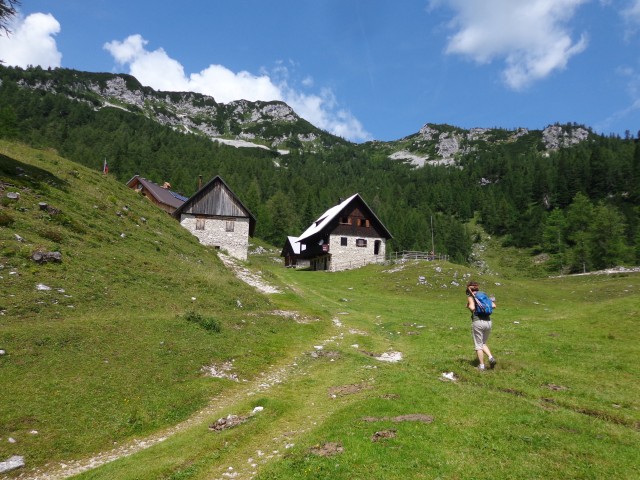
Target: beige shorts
[(480, 330)]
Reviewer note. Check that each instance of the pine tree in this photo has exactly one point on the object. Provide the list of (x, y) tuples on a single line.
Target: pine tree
[(607, 247)]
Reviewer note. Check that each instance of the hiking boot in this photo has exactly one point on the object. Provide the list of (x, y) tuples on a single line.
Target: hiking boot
[(492, 362)]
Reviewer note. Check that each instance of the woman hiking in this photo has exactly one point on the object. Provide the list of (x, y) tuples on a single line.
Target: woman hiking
[(481, 308)]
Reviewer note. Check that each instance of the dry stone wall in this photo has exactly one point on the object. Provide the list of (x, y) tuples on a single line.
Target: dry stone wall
[(215, 234), (352, 256)]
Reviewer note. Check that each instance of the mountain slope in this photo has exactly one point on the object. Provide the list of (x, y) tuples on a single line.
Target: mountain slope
[(110, 338), (239, 123)]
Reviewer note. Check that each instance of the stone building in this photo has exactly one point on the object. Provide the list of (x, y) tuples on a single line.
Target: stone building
[(162, 196), (291, 254), (348, 235), (218, 218)]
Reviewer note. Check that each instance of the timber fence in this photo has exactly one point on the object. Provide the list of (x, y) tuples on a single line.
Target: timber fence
[(394, 257)]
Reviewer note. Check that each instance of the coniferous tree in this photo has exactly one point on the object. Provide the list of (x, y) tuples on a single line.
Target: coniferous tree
[(554, 240), (607, 237)]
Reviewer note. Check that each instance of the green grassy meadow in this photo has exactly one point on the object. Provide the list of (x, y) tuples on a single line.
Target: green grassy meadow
[(112, 359)]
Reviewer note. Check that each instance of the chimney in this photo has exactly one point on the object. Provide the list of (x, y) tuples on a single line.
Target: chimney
[(166, 185), (199, 182)]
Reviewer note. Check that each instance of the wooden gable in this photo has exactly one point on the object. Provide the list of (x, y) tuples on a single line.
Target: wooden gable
[(215, 199)]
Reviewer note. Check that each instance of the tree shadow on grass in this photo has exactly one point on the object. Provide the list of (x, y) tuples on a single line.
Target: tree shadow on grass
[(22, 174)]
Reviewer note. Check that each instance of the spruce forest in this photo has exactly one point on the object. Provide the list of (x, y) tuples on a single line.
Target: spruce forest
[(575, 208)]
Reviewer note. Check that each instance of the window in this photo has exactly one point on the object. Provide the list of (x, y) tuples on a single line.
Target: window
[(376, 247), (345, 220), (200, 223), (362, 222), (343, 241), (361, 242), (231, 225)]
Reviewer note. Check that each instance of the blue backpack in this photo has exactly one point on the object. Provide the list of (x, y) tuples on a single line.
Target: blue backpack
[(483, 304)]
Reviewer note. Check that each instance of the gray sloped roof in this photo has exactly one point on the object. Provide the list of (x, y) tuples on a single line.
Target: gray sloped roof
[(162, 195)]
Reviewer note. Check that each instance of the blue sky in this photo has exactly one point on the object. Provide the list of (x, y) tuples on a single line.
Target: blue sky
[(362, 69)]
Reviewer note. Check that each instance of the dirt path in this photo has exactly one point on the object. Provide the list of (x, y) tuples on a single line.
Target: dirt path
[(247, 276), (224, 401)]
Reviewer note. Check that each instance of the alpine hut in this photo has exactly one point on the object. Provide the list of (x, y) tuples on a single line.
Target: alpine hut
[(218, 218)]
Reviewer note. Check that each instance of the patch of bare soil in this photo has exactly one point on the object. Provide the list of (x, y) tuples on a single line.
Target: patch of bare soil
[(344, 390), (513, 391), (390, 396), (383, 434), (391, 357), (325, 354), (412, 417), (295, 316), (556, 388), (228, 422), (327, 449)]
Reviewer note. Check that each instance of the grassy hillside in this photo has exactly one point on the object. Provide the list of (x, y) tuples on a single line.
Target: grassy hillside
[(124, 363), (561, 403), (99, 346)]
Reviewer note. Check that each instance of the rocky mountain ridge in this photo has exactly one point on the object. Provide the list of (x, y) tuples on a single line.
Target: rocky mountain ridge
[(444, 145), (273, 125)]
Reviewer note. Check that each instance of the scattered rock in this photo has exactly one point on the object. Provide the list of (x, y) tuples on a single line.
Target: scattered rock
[(325, 354), (13, 195), (11, 463), (45, 257), (227, 422), (220, 371), (42, 287), (391, 357), (449, 376)]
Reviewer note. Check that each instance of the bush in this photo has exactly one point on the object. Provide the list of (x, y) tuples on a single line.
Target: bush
[(52, 234), (5, 219), (208, 323)]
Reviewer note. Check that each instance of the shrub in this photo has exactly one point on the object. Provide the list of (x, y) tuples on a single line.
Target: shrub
[(5, 219), (52, 234), (208, 323)]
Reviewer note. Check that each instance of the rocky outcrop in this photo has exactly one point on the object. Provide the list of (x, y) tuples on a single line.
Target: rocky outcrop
[(556, 136), (242, 122), (444, 145)]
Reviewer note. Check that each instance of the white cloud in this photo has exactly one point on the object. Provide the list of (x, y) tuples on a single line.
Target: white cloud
[(631, 16), (633, 10), (530, 36), (31, 42), (157, 70)]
